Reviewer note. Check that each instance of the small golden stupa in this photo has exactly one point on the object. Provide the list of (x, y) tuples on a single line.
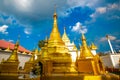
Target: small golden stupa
[(8, 49), (9, 67), (87, 62)]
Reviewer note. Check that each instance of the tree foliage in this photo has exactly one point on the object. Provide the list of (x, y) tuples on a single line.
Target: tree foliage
[(41, 43)]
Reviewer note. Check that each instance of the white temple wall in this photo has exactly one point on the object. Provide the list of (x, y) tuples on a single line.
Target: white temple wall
[(22, 57), (111, 61)]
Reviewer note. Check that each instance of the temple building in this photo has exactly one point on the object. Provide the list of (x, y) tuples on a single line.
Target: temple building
[(58, 59), (111, 60), (8, 46), (72, 49)]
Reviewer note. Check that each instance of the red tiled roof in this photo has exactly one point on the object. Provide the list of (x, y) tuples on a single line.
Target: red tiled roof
[(4, 45)]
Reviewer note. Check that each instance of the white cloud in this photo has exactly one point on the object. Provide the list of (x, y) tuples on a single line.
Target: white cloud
[(27, 30), (75, 3), (79, 28), (3, 29), (103, 39), (101, 10), (113, 6), (9, 20), (10, 40), (34, 8), (22, 5), (117, 46), (118, 41), (104, 9), (114, 17), (110, 37)]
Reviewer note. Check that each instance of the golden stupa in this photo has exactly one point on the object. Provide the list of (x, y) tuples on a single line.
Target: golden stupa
[(54, 53), (88, 59), (9, 67)]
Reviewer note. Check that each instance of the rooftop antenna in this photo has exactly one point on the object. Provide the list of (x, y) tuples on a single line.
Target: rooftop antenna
[(108, 38)]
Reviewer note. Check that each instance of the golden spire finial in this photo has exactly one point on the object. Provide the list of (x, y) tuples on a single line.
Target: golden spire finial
[(14, 56), (55, 14)]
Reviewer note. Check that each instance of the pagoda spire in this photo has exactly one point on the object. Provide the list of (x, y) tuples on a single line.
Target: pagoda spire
[(74, 48), (85, 51), (32, 58), (93, 46), (65, 37), (14, 56), (8, 49), (55, 38)]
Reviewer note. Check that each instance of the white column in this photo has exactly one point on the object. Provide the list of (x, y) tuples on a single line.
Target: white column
[(110, 44)]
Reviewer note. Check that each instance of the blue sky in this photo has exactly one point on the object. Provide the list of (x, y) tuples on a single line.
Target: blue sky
[(32, 20)]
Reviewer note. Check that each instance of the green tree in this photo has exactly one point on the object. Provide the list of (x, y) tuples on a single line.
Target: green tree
[(41, 43)]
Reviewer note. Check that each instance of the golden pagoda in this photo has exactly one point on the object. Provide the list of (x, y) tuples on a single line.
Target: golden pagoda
[(55, 43), (85, 50), (9, 67), (87, 62), (54, 52)]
